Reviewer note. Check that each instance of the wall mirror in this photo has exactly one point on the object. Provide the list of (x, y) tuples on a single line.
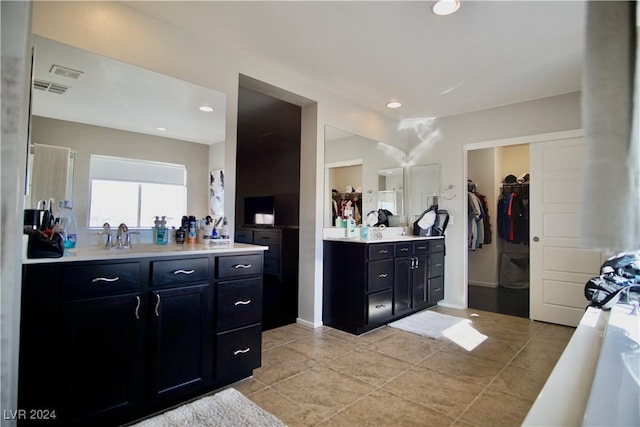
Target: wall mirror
[(391, 191), (92, 105), (424, 184), (358, 169)]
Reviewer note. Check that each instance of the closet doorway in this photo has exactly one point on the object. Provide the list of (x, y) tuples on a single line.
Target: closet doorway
[(498, 229)]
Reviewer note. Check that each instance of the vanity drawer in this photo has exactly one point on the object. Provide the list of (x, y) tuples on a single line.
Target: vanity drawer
[(266, 237), (436, 264), (380, 251), (100, 279), (238, 353), (180, 271), (379, 307), (380, 275), (273, 251), (436, 289), (436, 245), (239, 303), (421, 247), (239, 265), (244, 236), (403, 249)]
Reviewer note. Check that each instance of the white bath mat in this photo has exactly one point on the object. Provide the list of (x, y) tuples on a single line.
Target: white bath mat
[(428, 323), (228, 408)]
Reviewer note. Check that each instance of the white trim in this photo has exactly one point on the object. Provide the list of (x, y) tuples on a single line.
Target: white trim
[(308, 324), (525, 139), (344, 163)]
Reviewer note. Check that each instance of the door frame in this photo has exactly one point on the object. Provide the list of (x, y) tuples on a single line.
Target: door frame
[(518, 140)]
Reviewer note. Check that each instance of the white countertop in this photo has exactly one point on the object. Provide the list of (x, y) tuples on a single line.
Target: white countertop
[(147, 250), (384, 239)]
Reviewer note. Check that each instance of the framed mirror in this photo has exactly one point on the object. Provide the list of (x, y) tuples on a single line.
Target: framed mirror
[(353, 166), (92, 106), (424, 184)]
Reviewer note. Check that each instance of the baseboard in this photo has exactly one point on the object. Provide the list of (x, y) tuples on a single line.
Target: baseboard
[(308, 324), (448, 305), (484, 284)]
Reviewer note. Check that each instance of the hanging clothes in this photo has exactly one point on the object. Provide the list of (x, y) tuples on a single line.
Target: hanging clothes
[(479, 225), (513, 213)]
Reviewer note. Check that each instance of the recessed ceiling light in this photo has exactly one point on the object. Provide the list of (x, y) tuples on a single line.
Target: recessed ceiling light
[(206, 108), (161, 129), (394, 104), (445, 7)]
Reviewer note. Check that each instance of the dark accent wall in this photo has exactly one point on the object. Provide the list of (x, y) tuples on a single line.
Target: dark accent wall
[(268, 154)]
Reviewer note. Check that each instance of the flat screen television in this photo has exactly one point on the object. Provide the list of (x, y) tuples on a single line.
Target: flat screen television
[(259, 211)]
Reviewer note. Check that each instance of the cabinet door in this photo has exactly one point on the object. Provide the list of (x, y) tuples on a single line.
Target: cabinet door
[(402, 285), (181, 339), (101, 345), (419, 279)]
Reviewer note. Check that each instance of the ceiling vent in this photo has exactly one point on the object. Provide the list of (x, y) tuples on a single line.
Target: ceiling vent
[(50, 86), (70, 73)]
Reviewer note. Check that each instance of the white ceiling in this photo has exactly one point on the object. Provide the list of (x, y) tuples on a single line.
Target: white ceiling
[(486, 55), (116, 95), (489, 53)]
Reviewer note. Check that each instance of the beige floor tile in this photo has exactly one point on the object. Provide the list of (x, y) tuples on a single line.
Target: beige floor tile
[(280, 363), (495, 349), (539, 355), (460, 423), (463, 365), (496, 409), (321, 347), (376, 335), (444, 393), (292, 413), (323, 391), (285, 334), (381, 408), (521, 382), (407, 346), (248, 386), (370, 366)]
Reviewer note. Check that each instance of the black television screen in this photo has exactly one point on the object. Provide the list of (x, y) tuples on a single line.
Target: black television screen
[(259, 210)]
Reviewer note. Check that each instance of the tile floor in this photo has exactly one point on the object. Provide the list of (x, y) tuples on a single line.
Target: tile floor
[(388, 377)]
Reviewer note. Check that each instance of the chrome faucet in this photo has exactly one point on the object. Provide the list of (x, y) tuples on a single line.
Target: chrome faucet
[(123, 229), (107, 232)]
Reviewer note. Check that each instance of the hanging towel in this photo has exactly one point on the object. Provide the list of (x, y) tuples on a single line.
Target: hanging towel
[(50, 168)]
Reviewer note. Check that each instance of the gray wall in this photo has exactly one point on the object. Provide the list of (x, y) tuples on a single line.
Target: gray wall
[(86, 140)]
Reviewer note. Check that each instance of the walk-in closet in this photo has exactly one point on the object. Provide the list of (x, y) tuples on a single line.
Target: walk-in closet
[(498, 229)]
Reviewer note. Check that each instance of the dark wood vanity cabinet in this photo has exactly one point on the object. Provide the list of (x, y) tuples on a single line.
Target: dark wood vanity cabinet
[(106, 342), (280, 284), (367, 285)]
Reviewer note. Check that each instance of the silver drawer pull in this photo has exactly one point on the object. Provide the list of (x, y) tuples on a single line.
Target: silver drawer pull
[(422, 247), (383, 251), (157, 305), (382, 275), (242, 266), (105, 279), (437, 289), (243, 302), (380, 306), (138, 307), (246, 350), (404, 249), (438, 265), (184, 272)]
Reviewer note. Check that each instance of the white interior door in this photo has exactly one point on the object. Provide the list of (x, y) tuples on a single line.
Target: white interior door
[(559, 266)]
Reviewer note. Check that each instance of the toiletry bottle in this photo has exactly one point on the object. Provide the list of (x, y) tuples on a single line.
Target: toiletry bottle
[(191, 234), (339, 221), (351, 227), (68, 224), (224, 231)]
